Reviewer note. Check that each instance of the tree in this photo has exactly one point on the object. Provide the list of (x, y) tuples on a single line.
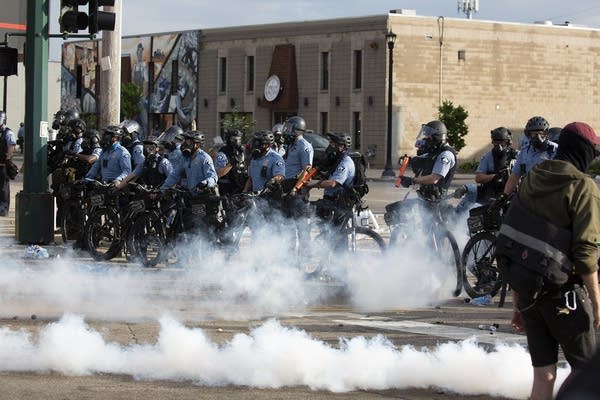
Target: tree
[(131, 94), (240, 121), (454, 119)]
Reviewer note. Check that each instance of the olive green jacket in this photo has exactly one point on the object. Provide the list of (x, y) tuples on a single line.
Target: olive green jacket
[(560, 193)]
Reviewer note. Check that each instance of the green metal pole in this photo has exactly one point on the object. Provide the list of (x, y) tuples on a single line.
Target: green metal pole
[(35, 205)]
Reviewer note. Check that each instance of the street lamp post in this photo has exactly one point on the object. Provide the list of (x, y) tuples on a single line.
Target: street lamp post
[(388, 171)]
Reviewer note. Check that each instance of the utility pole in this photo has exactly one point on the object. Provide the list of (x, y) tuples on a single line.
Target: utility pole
[(35, 205), (110, 72)]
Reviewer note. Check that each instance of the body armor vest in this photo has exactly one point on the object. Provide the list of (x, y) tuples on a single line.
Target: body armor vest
[(151, 175), (237, 174), (423, 165)]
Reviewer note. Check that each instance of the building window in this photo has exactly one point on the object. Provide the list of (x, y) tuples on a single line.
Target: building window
[(250, 73), (324, 123), (325, 70), (223, 74), (357, 69), (356, 128)]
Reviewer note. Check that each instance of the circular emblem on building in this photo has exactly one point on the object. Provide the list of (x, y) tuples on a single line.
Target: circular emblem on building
[(272, 87)]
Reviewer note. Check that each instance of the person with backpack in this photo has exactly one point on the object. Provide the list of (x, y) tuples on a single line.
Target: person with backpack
[(547, 251), (435, 162)]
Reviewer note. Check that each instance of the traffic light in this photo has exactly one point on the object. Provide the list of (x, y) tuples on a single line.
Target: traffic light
[(101, 20), (72, 20)]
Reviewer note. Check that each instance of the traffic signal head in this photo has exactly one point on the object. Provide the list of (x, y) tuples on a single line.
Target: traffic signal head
[(71, 20), (101, 20)]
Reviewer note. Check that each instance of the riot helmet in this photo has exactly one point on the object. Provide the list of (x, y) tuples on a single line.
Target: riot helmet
[(431, 136), (2, 118), (536, 131), (91, 140), (150, 145), (70, 115), (192, 141), (278, 134), (501, 139), (261, 142), (59, 119), (110, 132), (340, 139), (131, 131), (292, 128), (77, 128), (333, 151), (169, 137)]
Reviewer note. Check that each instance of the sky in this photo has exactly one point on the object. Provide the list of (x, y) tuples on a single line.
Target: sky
[(148, 16)]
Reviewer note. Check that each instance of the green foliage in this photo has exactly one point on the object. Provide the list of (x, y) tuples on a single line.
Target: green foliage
[(454, 118), (131, 94), (469, 166), (240, 121)]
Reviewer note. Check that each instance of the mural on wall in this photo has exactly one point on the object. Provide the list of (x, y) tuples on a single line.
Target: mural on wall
[(175, 91), (169, 89), (78, 77)]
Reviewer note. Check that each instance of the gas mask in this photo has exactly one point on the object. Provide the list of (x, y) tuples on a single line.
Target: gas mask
[(259, 149), (279, 138), (498, 149), (106, 142), (187, 149), (538, 141), (126, 140)]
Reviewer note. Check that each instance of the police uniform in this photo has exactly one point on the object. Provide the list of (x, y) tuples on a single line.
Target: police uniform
[(154, 170), (113, 164), (198, 169), (233, 181), (344, 176), (529, 157), (279, 149), (263, 169), (137, 154), (441, 162), (9, 140), (73, 146), (298, 155)]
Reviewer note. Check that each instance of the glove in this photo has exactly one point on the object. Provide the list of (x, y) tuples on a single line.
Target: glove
[(273, 186), (201, 187), (407, 181), (496, 205), (460, 192)]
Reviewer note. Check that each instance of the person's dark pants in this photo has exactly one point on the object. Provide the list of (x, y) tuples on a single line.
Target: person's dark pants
[(4, 191)]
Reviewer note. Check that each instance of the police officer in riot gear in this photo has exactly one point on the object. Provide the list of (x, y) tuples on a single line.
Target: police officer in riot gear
[(198, 167), (435, 163), (154, 170), (267, 168), (131, 141), (492, 173), (170, 144), (342, 174), (8, 141), (538, 149), (278, 141), (114, 164), (230, 164), (89, 154)]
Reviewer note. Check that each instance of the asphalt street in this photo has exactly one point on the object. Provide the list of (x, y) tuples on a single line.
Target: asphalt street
[(72, 328)]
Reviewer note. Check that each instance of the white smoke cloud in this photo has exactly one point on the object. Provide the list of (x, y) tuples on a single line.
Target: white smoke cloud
[(270, 356)]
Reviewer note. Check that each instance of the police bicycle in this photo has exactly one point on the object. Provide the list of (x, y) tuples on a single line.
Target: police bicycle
[(480, 272), (422, 222), (161, 232), (112, 212), (73, 216), (338, 236)]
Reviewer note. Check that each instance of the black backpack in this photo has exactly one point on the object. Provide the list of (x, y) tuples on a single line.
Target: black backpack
[(359, 184)]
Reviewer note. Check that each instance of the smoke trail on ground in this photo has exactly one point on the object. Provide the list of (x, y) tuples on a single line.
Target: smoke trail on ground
[(270, 356)]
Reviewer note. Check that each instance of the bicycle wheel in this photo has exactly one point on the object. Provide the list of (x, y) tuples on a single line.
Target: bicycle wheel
[(103, 234), (448, 252), (148, 239), (480, 273), (364, 241), (71, 223)]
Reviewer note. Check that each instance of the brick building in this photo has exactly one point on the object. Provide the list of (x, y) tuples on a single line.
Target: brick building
[(334, 74)]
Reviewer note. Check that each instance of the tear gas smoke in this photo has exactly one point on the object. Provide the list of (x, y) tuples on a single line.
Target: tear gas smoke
[(270, 356)]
